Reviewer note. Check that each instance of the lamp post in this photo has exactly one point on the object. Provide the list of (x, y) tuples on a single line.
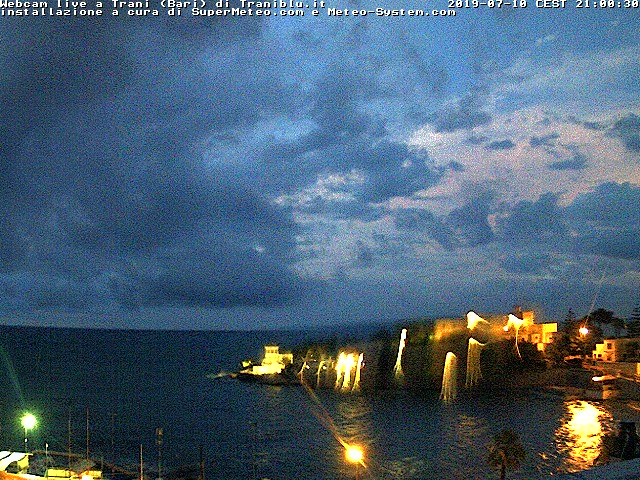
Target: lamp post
[(28, 422), (354, 454), (584, 331)]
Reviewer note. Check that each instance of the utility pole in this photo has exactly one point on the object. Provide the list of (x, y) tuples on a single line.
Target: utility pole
[(87, 434), (201, 476), (141, 465), (159, 440)]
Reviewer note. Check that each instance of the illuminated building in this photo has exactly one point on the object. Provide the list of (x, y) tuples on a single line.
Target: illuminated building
[(273, 361)]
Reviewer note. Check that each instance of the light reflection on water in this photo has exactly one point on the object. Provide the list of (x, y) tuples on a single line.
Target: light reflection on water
[(579, 435), (353, 424), (406, 437)]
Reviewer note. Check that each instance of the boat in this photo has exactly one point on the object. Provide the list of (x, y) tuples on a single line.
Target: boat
[(275, 369), (281, 378), (15, 466), (602, 387)]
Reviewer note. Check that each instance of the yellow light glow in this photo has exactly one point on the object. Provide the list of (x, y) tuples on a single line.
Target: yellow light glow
[(397, 368), (344, 370), (473, 319), (583, 330), (354, 453), (28, 421), (514, 322), (581, 434)]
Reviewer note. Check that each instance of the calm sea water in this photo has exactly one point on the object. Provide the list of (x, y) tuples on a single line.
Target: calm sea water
[(125, 384)]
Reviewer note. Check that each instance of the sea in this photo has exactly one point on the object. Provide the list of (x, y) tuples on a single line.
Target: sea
[(107, 394)]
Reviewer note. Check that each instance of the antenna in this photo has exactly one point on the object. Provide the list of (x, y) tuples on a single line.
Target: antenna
[(87, 433)]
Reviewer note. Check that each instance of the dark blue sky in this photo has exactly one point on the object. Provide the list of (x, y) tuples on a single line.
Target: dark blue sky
[(281, 172)]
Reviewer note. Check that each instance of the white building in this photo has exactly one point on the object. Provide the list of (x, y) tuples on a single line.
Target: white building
[(273, 361)]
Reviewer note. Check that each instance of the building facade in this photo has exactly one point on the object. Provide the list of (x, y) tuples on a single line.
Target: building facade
[(616, 350)]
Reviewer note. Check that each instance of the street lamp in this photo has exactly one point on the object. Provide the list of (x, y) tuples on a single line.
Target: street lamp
[(28, 421), (584, 331), (355, 455)]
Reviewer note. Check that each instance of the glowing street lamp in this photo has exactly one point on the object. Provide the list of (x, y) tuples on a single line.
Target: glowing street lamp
[(28, 422), (354, 454), (584, 331)]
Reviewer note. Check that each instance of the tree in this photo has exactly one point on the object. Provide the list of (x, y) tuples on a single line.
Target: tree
[(633, 325), (601, 316), (606, 317), (629, 351), (506, 452), (618, 325), (564, 343)]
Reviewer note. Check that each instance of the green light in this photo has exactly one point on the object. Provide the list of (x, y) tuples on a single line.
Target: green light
[(28, 421)]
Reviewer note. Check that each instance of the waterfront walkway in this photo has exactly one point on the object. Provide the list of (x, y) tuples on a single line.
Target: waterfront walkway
[(625, 470)]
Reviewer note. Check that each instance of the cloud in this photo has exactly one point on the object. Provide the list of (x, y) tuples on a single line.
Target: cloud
[(465, 226), (421, 221), (577, 162), (501, 145), (525, 262), (560, 81), (549, 140), (108, 192), (628, 129), (471, 221), (224, 164), (530, 222), (606, 221), (391, 170), (624, 244), (610, 205), (465, 114)]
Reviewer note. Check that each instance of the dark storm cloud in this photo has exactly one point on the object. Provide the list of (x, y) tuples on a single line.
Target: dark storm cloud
[(603, 222), (534, 222), (526, 262), (471, 221), (418, 220), (105, 192), (339, 128), (612, 205), (346, 139), (391, 171), (343, 210), (576, 162), (628, 130), (466, 114), (476, 139), (501, 145), (42, 291), (467, 225), (208, 276), (607, 220), (544, 141), (618, 244)]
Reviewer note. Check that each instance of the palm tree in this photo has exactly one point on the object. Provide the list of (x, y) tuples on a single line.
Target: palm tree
[(506, 452)]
